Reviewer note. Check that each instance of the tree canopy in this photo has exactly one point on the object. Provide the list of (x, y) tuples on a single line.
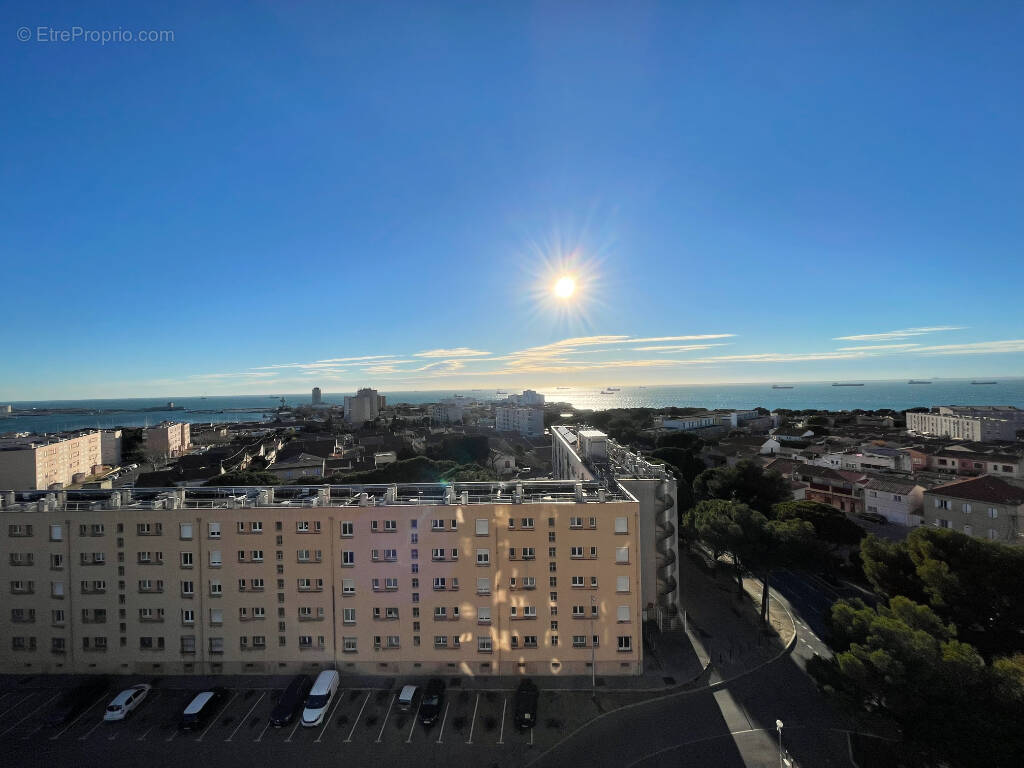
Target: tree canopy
[(747, 482)]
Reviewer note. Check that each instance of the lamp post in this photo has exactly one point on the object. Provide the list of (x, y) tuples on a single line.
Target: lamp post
[(778, 727)]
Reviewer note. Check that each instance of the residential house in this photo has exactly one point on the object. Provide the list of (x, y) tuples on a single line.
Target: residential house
[(898, 500), (985, 507)]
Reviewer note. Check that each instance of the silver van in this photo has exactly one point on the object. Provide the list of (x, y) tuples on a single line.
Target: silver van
[(321, 695)]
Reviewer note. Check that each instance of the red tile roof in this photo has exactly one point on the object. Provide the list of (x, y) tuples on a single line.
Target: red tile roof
[(986, 488)]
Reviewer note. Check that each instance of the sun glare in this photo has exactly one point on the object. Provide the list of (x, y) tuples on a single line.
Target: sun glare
[(565, 287)]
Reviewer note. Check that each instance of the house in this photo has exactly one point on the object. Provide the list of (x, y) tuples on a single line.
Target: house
[(840, 489), (985, 507), (303, 465), (384, 457), (898, 500), (789, 433), (502, 462), (965, 463)]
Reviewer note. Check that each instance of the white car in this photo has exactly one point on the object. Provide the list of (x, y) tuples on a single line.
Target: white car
[(125, 702)]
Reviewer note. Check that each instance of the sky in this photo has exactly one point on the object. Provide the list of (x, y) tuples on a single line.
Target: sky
[(273, 196)]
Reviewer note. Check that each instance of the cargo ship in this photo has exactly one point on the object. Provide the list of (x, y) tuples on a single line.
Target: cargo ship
[(847, 384)]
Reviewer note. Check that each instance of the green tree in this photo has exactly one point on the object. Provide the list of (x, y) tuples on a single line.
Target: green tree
[(686, 463), (747, 482), (244, 477), (830, 524)]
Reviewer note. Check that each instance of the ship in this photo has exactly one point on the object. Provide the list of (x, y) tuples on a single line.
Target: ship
[(984, 382), (612, 389), (607, 392), (782, 386), (847, 384), (918, 381), (501, 392)]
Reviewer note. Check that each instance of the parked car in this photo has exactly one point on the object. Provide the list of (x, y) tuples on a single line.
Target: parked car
[(320, 697), (76, 700), (405, 698), (126, 702), (872, 517), (290, 701), (527, 695), (202, 708), (432, 702)]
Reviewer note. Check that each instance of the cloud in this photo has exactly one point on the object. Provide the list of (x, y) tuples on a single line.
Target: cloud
[(974, 348), (892, 335), (876, 346), (675, 347), (699, 337), (232, 375), (457, 352)]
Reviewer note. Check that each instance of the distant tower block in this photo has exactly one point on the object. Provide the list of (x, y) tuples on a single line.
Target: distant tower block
[(317, 398)]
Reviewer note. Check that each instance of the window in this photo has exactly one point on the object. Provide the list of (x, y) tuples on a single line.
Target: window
[(56, 562), (577, 582), (622, 554), (257, 555), (213, 530), (621, 614), (390, 525), (348, 558), (484, 645), (186, 559), (347, 531), (437, 525), (256, 584), (375, 584), (483, 614), (577, 612), (529, 582), (592, 522), (57, 589), (483, 586), (215, 558), (348, 615), (593, 582), (185, 531), (188, 588), (56, 533), (511, 523), (529, 612), (349, 645), (348, 586), (440, 641), (511, 553), (529, 553), (579, 641), (437, 553), (993, 534), (965, 508), (993, 513), (529, 641), (481, 526), (302, 526), (217, 645), (454, 554), (527, 523), (391, 583), (622, 584), (440, 582), (216, 616), (576, 552), (625, 643), (593, 553), (256, 526), (216, 588), (483, 557), (241, 527), (188, 616), (57, 616)]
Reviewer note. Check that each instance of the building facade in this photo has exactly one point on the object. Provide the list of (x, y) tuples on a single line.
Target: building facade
[(38, 462), (985, 507), (962, 426), (477, 578), (168, 440), (898, 501), (365, 405), (317, 396), (526, 421)]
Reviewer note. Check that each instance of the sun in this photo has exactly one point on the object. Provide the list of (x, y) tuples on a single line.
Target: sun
[(565, 287)]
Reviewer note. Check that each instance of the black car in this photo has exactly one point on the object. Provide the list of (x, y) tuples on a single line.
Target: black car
[(873, 517), (527, 695), (291, 701), (76, 700), (202, 707), (432, 702)]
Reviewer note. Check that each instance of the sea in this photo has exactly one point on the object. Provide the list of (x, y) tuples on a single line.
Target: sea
[(898, 395)]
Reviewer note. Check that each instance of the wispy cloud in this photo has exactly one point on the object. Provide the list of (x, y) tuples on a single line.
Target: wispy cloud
[(675, 347), (974, 348), (904, 334), (875, 346), (698, 337), (457, 352)]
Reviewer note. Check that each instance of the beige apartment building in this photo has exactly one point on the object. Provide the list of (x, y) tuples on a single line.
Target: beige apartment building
[(167, 440), (477, 579), (36, 462), (985, 507)]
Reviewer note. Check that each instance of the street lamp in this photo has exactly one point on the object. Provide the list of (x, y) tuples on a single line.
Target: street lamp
[(778, 727)]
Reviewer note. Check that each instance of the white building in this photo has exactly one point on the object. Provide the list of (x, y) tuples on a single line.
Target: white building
[(687, 423), (899, 501), (110, 447), (526, 421), (528, 398), (962, 427), (317, 396), (365, 405), (446, 413)]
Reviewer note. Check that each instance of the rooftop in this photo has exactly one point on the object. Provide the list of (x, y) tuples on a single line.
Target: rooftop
[(985, 488), (370, 495)]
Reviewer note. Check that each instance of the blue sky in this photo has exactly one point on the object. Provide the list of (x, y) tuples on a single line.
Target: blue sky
[(382, 194)]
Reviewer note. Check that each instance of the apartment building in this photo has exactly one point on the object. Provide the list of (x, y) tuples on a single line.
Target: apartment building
[(589, 454), (985, 507), (168, 440), (477, 578), (898, 500), (365, 405), (963, 426), (38, 461), (969, 463), (842, 489), (527, 421)]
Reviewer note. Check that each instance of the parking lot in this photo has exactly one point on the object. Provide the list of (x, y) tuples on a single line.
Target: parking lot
[(475, 728)]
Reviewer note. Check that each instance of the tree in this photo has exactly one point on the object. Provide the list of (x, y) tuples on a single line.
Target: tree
[(686, 464), (830, 524), (747, 482), (679, 438), (244, 477)]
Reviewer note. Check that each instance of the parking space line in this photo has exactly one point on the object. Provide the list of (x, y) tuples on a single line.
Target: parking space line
[(259, 738), (143, 736), (298, 721), (531, 737), (20, 702), (33, 732), (473, 724), (174, 735), (386, 716), (444, 719), (242, 721), (328, 716), (414, 718), (26, 717), (88, 733), (358, 717), (501, 736), (213, 720)]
